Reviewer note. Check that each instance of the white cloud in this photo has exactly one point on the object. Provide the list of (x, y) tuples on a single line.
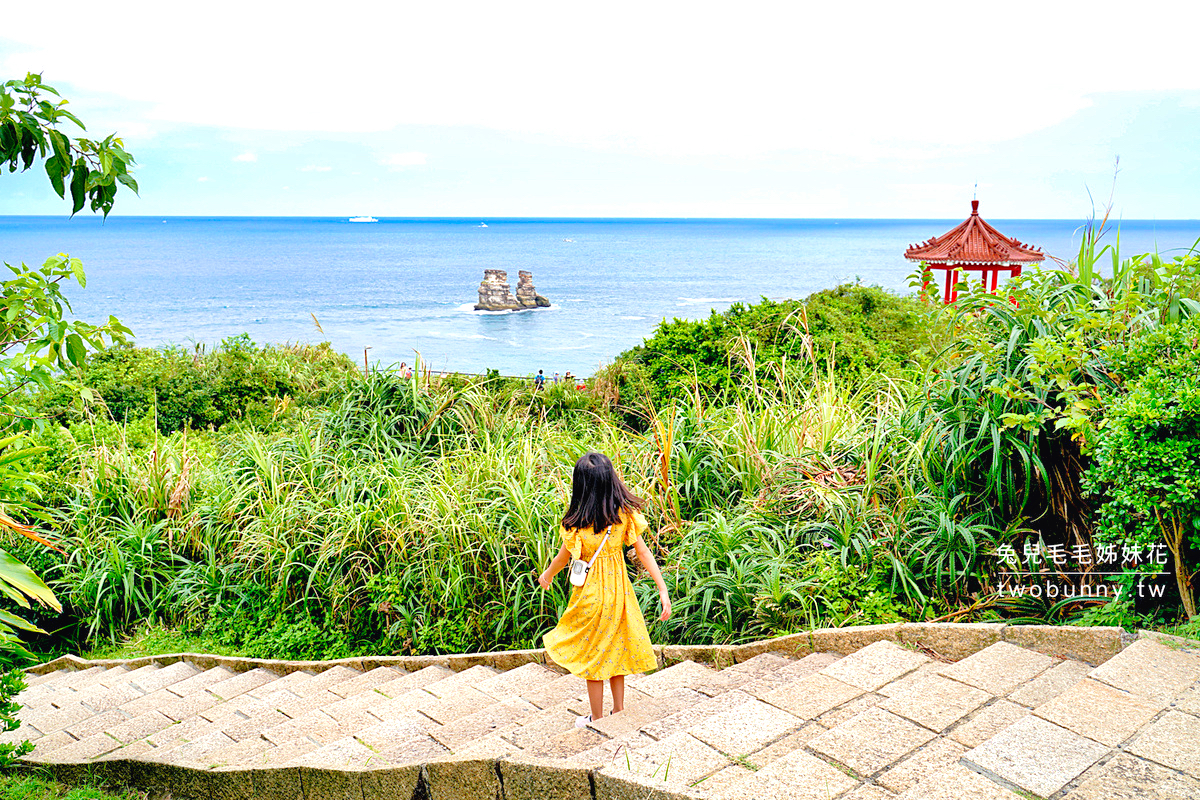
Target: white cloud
[(314, 168), (401, 160), (666, 77), (202, 180), (247, 157)]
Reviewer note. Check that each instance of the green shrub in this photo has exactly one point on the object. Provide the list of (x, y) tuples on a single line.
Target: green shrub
[(1147, 461), (11, 684), (177, 390), (859, 330)]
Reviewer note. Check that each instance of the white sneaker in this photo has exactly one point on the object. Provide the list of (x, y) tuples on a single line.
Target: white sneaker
[(583, 722)]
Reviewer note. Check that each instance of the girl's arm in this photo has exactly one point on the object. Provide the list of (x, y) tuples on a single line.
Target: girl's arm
[(559, 561), (647, 558)]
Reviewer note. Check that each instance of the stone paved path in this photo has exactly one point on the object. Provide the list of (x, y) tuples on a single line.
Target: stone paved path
[(883, 723)]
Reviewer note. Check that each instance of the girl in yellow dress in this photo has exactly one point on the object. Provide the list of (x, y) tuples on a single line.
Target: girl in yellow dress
[(602, 634)]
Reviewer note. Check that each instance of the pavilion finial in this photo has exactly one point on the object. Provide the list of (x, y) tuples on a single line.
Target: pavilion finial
[(974, 208)]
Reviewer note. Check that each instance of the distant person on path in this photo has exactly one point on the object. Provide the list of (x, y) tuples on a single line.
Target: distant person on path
[(556, 379), (405, 372), (602, 634), (539, 382)]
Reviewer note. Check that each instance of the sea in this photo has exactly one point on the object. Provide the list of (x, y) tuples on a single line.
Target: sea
[(394, 290)]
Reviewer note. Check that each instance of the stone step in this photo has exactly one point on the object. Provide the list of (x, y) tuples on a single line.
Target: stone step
[(881, 722)]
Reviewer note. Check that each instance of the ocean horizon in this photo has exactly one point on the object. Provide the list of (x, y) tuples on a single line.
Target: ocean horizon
[(405, 285)]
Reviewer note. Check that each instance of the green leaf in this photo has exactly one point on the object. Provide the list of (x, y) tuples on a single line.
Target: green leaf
[(62, 148), (78, 184), (76, 352), (55, 172), (77, 270), (21, 577), (13, 621)]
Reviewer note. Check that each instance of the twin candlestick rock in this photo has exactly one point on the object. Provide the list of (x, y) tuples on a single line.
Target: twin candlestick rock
[(494, 294)]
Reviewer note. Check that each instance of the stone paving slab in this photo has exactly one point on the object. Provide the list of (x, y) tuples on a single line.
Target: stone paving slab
[(779, 748), (200, 681), (1035, 755), (322, 681), (572, 743), (117, 675), (449, 686), (97, 724), (999, 668), (1050, 684), (1150, 670), (875, 665), (871, 742), (746, 728), (1188, 702), (516, 682), (677, 676), (609, 751), (563, 689), (496, 718), (241, 683), (293, 679), (638, 715), (1098, 711), (52, 720), (676, 762), (696, 713), (84, 749), (414, 751), (930, 761), (633, 699), (809, 698), (1172, 740), (987, 722), (384, 735), (868, 792), (103, 698), (732, 677), (796, 776), (414, 680), (848, 711), (809, 665), (190, 705), (163, 677), (366, 680), (466, 700), (958, 783), (1129, 778), (935, 701)]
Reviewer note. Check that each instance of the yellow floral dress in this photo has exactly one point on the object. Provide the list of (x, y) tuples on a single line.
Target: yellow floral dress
[(603, 633)]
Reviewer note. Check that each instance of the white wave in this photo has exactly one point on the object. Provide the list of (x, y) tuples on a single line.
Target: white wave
[(452, 335), (692, 301), (630, 317)]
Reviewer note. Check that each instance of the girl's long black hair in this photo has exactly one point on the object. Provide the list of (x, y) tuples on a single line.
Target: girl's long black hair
[(597, 494)]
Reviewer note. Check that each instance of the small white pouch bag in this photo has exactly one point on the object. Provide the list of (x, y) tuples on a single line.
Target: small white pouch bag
[(580, 568)]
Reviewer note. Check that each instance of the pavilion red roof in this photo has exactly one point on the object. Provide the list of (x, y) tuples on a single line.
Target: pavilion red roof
[(974, 242)]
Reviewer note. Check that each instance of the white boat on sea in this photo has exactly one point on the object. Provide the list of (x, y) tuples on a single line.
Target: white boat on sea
[(482, 225), (363, 219)]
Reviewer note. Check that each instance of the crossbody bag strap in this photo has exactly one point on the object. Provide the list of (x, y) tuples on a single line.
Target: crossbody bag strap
[(603, 542)]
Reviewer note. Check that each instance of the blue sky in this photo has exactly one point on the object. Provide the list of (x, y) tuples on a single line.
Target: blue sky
[(539, 109)]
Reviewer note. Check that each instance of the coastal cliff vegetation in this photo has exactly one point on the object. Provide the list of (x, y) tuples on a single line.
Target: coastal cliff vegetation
[(853, 457)]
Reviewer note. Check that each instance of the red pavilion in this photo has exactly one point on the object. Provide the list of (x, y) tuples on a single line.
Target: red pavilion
[(974, 246)]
